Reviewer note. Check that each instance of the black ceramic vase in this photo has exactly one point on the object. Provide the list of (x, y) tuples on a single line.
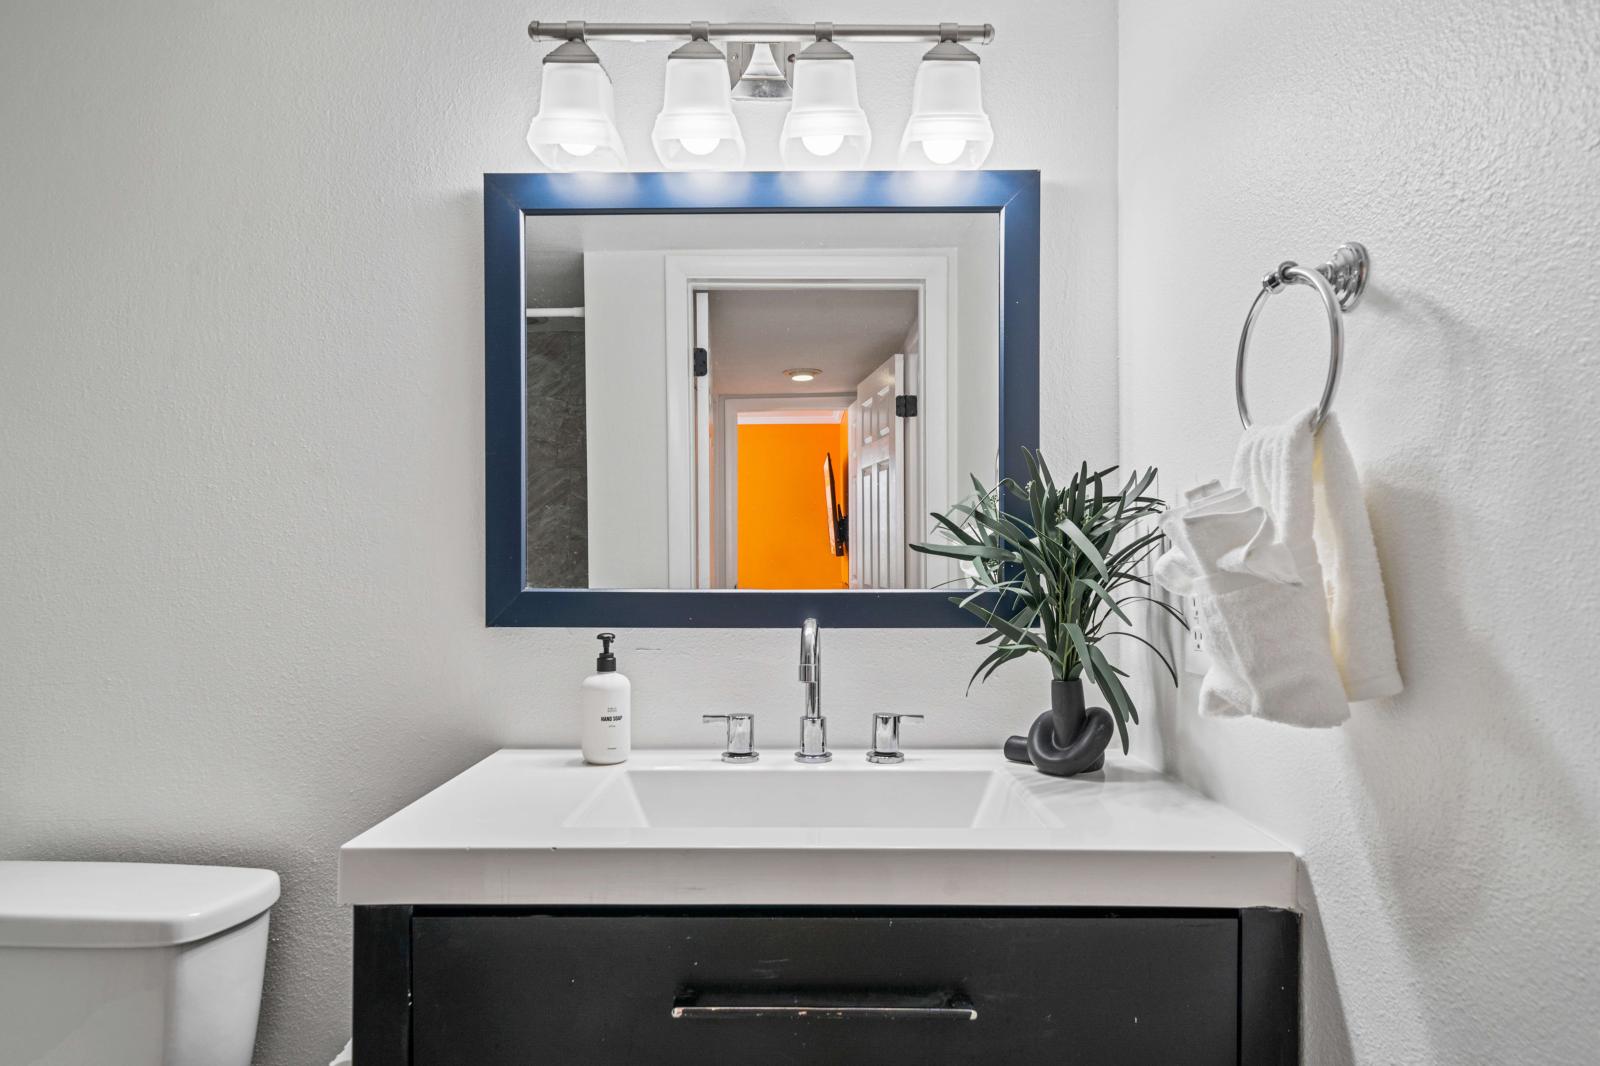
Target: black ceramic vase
[(1068, 738)]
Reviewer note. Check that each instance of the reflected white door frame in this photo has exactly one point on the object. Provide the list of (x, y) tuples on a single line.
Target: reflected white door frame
[(930, 273), (704, 434)]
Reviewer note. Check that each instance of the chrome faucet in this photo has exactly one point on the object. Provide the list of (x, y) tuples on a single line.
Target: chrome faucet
[(813, 727)]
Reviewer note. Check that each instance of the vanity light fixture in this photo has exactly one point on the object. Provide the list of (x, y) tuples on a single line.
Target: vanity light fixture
[(696, 129), (802, 373), (826, 127), (948, 127), (576, 127)]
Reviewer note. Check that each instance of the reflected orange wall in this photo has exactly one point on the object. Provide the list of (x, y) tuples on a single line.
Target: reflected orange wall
[(783, 540)]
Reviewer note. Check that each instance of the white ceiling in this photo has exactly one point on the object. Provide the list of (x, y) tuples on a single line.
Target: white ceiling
[(756, 334)]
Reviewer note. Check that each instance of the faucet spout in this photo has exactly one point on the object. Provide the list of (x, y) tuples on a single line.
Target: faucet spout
[(813, 727), (811, 666)]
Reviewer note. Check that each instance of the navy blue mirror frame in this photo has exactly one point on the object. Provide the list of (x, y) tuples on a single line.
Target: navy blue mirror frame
[(508, 199)]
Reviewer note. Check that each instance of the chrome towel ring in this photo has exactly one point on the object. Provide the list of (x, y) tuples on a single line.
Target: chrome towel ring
[(1340, 282)]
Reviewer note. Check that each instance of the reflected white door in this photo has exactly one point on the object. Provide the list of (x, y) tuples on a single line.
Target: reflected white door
[(877, 481), (704, 442)]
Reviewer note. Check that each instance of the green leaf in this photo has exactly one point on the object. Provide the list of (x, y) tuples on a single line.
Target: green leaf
[(1009, 657), (1080, 641), (1144, 483), (961, 535), (968, 551), (1119, 713), (993, 661), (1105, 677), (1159, 653), (1176, 614), (1085, 546), (1110, 601), (1021, 540), (1006, 626)]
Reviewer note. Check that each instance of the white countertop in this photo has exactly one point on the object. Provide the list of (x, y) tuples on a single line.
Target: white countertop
[(520, 827)]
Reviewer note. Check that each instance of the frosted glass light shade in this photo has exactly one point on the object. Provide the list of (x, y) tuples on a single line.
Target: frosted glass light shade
[(948, 126), (576, 127), (825, 128), (696, 129)]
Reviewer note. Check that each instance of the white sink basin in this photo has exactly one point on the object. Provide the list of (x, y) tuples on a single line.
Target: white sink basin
[(954, 828), (810, 798)]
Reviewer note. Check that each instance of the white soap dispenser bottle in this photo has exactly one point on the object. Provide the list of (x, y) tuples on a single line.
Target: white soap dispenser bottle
[(605, 698)]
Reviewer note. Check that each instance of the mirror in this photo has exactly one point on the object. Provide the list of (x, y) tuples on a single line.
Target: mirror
[(733, 399), (755, 401)]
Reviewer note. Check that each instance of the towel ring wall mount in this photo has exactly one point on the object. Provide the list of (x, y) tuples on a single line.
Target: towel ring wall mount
[(1340, 282)]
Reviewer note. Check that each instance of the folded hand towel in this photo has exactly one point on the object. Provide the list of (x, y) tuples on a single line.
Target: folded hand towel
[(1261, 609), (1358, 608), (1224, 532)]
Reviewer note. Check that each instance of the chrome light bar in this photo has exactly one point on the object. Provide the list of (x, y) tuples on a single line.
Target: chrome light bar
[(761, 32)]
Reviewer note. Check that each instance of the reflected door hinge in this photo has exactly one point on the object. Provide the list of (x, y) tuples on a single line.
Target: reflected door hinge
[(905, 406), (701, 363)]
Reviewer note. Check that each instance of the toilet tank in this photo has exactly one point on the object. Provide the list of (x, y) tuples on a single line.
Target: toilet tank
[(137, 964)]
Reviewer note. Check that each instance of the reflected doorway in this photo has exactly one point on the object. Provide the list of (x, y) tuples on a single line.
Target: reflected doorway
[(808, 453)]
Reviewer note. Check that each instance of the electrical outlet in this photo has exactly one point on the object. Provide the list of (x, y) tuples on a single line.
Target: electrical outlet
[(1196, 656), (1192, 651)]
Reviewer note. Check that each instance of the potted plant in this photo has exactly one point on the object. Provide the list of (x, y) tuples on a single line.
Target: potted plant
[(1050, 583)]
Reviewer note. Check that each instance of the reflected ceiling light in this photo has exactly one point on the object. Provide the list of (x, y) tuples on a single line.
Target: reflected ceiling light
[(576, 127), (826, 127), (802, 373), (696, 129), (948, 126)]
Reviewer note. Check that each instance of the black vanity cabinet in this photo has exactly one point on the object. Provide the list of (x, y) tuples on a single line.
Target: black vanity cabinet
[(439, 986)]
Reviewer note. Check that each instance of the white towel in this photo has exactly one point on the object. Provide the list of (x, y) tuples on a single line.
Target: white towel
[(1310, 485), (1220, 532), (1260, 606), (1358, 607)]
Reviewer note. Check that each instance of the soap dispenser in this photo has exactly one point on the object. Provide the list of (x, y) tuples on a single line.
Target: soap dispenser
[(605, 698)]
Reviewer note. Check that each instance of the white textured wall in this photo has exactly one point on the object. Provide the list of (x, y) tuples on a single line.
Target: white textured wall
[(241, 422), (1452, 835)]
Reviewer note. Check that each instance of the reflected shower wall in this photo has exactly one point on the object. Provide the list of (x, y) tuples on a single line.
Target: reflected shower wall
[(558, 455)]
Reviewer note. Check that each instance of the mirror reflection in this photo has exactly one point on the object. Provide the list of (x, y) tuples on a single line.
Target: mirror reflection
[(754, 401)]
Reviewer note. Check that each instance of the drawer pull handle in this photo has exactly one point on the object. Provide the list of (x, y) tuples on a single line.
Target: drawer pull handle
[(734, 1006)]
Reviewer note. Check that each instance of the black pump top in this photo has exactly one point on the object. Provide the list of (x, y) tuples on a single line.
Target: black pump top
[(606, 662)]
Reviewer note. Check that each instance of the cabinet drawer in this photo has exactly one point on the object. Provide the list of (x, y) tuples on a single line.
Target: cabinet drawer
[(885, 989)]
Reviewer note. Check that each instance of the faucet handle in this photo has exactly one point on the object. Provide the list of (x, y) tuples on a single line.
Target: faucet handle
[(741, 744), (886, 737)]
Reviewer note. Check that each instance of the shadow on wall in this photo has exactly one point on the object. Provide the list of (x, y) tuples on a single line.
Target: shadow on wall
[(1462, 841), (1469, 816), (1322, 1022)]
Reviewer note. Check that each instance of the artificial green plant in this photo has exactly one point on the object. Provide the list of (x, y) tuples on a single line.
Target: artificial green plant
[(1051, 582)]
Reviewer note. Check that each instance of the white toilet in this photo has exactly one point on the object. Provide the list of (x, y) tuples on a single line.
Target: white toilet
[(131, 964)]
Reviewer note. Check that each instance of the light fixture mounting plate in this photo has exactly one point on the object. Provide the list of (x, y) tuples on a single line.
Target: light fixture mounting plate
[(760, 70)]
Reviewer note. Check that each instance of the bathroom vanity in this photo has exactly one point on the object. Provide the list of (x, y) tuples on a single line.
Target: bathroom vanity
[(647, 340), (949, 909)]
